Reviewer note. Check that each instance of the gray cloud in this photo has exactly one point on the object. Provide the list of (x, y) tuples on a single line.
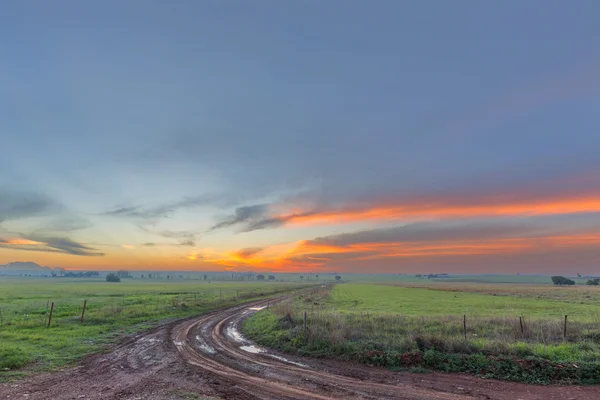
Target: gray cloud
[(256, 217), (189, 243), (168, 234), (168, 209), (527, 227), (53, 245), (67, 223), (248, 214), (248, 252), (15, 205), (149, 244), (137, 212)]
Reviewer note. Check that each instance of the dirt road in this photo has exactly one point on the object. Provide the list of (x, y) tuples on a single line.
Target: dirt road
[(206, 357)]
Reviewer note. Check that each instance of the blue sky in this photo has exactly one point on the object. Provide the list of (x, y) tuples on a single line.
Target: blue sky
[(176, 135)]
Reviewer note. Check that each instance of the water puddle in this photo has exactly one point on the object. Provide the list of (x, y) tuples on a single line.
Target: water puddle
[(233, 333), (257, 308), (179, 344), (257, 350), (205, 346), (287, 361), (252, 349)]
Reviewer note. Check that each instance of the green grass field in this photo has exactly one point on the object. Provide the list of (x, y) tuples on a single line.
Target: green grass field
[(416, 327), (440, 301), (113, 309)]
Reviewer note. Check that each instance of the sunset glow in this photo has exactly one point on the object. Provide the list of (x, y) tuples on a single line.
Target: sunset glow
[(426, 209), (369, 138)]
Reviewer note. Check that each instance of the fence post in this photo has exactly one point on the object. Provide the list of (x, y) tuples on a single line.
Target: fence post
[(565, 329), (521, 323), (50, 318), (83, 310), (465, 325), (305, 326)]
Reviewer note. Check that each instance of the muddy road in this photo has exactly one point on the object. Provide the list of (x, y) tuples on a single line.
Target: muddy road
[(206, 357)]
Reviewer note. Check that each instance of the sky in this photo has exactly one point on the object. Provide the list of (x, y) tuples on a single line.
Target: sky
[(347, 136)]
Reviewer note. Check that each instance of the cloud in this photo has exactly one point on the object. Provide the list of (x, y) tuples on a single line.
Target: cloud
[(249, 252), (176, 234), (256, 217), (16, 205), (66, 223), (437, 231), (50, 244), (183, 243), (437, 241), (444, 206), (244, 215), (168, 209), (137, 212), (184, 236)]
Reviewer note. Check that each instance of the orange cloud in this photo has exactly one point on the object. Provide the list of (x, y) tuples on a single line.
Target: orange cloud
[(22, 242), (443, 209), (310, 255)]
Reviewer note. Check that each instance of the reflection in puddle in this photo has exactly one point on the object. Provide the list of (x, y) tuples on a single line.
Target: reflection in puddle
[(204, 346), (252, 349), (233, 333), (257, 350)]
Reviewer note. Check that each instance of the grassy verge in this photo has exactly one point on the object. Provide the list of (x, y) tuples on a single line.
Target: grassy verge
[(26, 344), (364, 323)]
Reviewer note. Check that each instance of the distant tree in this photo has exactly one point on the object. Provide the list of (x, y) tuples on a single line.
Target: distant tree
[(113, 278), (337, 277), (561, 280), (205, 277), (260, 277), (594, 282), (301, 278), (317, 276), (123, 274), (579, 274), (271, 277), (142, 276), (418, 275)]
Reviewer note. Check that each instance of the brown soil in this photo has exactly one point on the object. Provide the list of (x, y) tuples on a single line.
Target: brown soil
[(204, 358)]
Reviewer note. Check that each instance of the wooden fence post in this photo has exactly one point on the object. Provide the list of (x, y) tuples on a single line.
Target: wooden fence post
[(83, 310), (305, 325), (50, 318), (521, 323), (565, 328), (465, 325)]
